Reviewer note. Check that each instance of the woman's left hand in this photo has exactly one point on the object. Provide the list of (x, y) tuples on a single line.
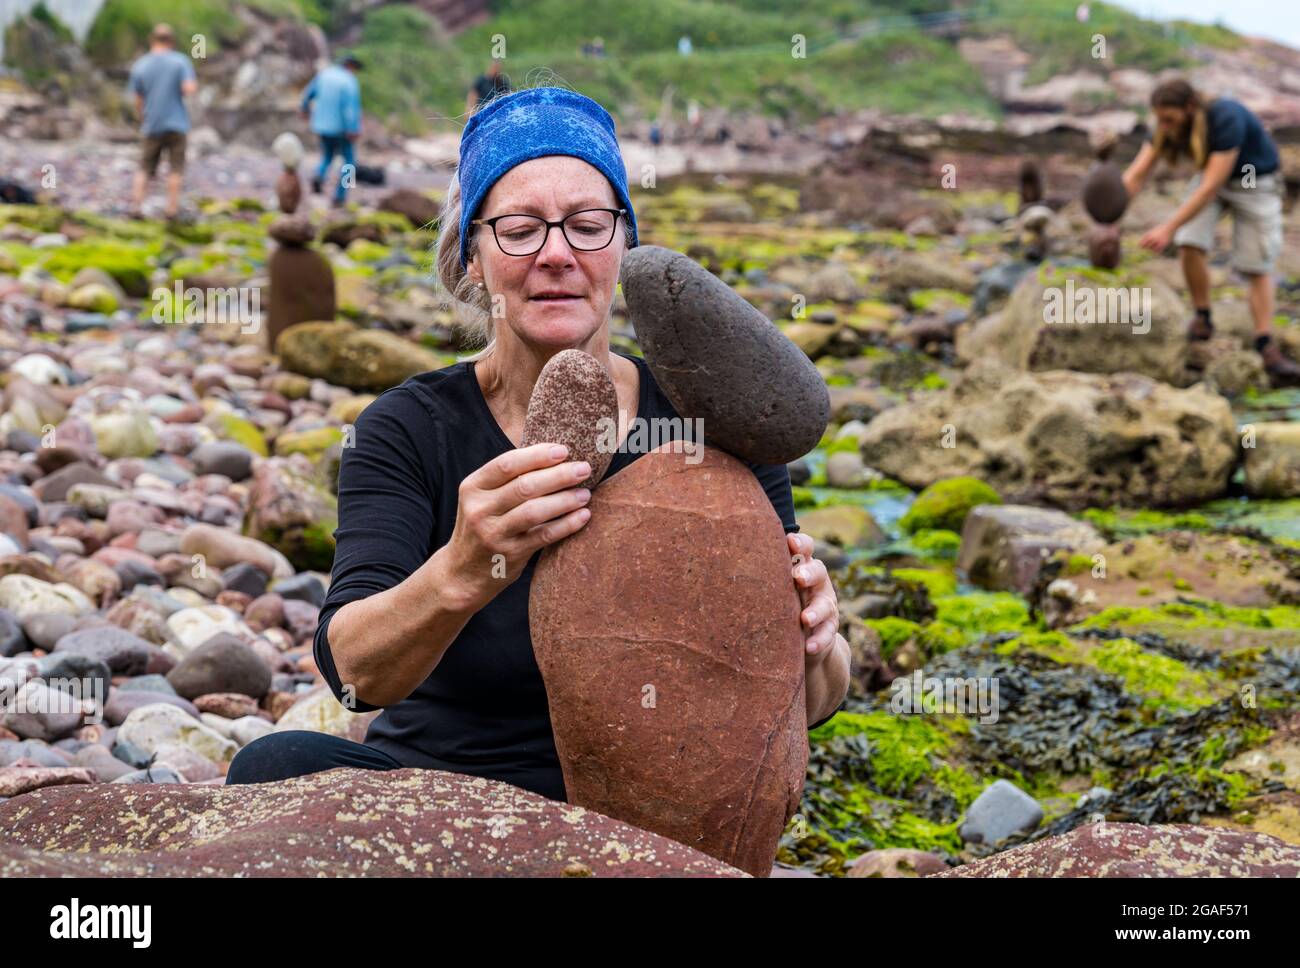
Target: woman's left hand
[(820, 616)]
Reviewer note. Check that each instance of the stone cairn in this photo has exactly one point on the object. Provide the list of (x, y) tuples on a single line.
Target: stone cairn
[(667, 630), (1034, 215), (301, 279), (288, 187), (1106, 199)]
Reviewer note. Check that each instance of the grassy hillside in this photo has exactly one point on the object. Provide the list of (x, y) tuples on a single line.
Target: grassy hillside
[(1060, 44), (898, 55), (888, 54), (120, 33)]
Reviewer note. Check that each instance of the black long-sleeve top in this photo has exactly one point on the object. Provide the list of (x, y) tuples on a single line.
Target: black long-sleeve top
[(482, 711)]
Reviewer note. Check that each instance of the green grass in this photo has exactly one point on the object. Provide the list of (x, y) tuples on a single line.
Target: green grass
[(858, 55), (1048, 30), (742, 59), (120, 32)]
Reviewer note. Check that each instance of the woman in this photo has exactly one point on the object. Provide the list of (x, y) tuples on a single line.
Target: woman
[(1237, 169), (442, 515)]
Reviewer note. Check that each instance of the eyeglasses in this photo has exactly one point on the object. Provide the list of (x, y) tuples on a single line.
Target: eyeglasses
[(589, 230)]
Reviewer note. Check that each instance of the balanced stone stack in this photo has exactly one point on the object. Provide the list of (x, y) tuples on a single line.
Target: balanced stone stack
[(667, 629), (288, 187), (302, 281), (1106, 199)]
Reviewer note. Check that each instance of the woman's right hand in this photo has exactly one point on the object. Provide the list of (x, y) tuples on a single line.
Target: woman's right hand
[(509, 508)]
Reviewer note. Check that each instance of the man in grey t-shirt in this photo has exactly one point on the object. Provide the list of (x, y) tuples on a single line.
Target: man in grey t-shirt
[(160, 80)]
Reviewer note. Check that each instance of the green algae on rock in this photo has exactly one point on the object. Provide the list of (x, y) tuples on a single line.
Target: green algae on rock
[(945, 504)]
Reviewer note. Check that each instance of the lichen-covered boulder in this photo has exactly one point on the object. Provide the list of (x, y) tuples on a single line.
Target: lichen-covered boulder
[(1133, 850), (365, 360), (719, 360), (1088, 320), (340, 823), (1273, 460), (667, 632), (1064, 438), (574, 403)]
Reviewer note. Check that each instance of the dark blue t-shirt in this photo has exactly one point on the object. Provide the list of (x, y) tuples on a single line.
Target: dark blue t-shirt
[(483, 709), (1230, 124)]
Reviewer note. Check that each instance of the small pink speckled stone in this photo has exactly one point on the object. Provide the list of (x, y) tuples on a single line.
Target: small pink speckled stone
[(574, 403)]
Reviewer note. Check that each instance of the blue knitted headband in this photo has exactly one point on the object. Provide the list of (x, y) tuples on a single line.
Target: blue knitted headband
[(529, 124)]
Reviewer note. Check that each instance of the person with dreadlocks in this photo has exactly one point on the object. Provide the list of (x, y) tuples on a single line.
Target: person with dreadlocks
[(1238, 170)]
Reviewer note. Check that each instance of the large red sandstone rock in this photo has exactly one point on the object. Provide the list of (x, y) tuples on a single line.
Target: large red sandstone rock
[(667, 632), (343, 823), (1133, 850)]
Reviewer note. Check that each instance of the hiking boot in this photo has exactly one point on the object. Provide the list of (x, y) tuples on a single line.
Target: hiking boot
[(1198, 329), (1281, 369)]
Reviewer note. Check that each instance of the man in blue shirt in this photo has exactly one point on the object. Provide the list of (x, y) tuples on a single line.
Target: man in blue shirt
[(334, 97), (1238, 171), (160, 80)]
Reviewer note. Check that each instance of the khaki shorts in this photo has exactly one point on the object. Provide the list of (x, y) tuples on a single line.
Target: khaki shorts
[(170, 142), (1256, 223)]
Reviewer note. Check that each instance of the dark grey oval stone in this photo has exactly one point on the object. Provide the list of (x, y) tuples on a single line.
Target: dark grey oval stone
[(720, 360), (1104, 194)]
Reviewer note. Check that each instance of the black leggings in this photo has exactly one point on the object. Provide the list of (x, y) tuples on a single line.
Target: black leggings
[(297, 752)]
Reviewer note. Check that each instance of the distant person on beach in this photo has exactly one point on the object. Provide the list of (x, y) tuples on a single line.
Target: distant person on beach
[(1238, 170), (333, 102), (491, 83), (160, 81)]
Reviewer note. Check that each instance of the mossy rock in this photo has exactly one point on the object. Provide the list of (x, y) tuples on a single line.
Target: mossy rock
[(944, 504), (845, 525), (130, 265), (38, 218), (313, 442), (239, 429), (363, 360), (93, 298)]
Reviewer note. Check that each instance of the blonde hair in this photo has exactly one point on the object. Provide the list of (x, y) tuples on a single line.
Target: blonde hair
[(471, 302), (1177, 93)]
